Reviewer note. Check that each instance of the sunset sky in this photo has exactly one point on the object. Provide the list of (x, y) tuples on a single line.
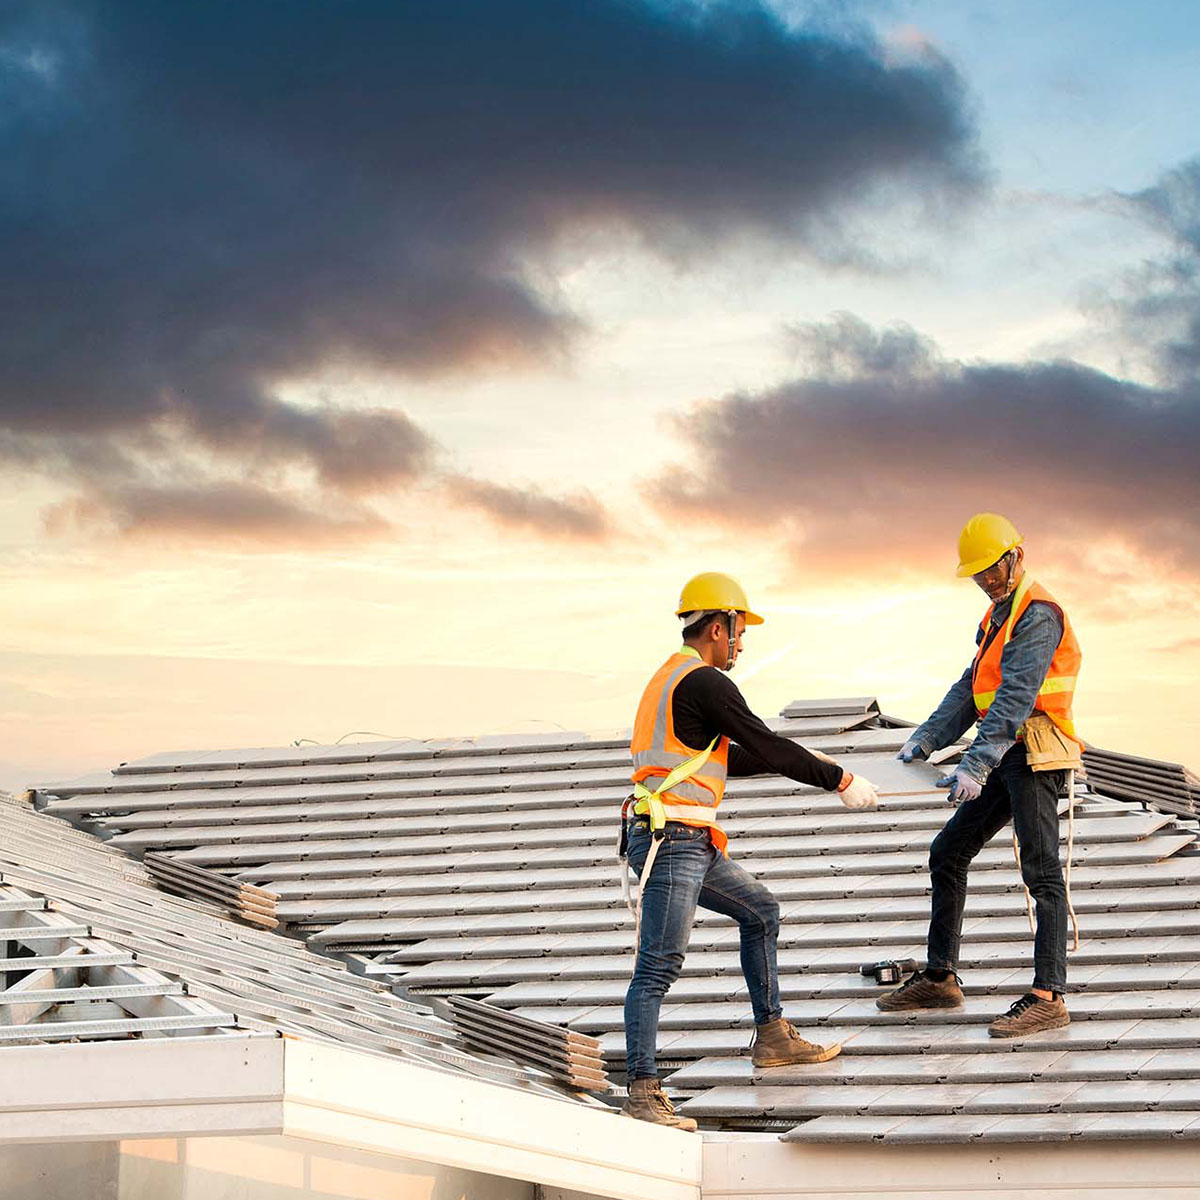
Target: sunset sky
[(385, 367)]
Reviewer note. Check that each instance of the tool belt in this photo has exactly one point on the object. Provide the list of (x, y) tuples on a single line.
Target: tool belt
[(1047, 748)]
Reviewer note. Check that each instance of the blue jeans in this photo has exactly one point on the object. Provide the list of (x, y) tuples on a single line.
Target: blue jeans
[(689, 871), (1030, 800)]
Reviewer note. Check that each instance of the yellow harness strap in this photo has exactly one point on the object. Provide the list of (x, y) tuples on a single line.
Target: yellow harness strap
[(648, 802)]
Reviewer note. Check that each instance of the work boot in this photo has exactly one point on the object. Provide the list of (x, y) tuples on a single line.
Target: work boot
[(919, 991), (777, 1044), (1031, 1014), (648, 1102)]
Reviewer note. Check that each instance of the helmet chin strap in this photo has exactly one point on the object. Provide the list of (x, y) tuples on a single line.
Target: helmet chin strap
[(1010, 583)]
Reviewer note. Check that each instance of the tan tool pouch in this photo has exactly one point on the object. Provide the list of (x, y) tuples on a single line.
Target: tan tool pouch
[(1047, 748)]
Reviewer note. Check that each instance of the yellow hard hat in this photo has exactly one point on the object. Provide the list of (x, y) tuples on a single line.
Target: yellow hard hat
[(986, 538), (713, 591)]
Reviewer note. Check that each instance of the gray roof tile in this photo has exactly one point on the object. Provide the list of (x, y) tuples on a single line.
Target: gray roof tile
[(1134, 1126), (1182, 1093), (1173, 1063), (1162, 1032), (1039, 1097), (1034, 1127), (950, 1129), (843, 1129), (1125, 1095), (785, 1101)]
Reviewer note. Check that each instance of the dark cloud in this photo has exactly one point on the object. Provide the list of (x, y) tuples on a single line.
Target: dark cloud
[(578, 517), (232, 514), (846, 347), (354, 451), (874, 464), (1159, 308), (201, 201)]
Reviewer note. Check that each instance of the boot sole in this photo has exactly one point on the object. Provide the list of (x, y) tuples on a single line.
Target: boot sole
[(827, 1052), (690, 1127), (1016, 1033), (919, 1007)]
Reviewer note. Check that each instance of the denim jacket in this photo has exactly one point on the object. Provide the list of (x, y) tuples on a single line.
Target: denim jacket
[(1023, 667)]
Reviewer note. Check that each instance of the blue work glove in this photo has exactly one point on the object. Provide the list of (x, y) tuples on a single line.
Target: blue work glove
[(962, 785), (910, 750)]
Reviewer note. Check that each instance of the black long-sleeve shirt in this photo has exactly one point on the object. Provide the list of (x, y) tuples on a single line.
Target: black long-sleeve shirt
[(707, 703)]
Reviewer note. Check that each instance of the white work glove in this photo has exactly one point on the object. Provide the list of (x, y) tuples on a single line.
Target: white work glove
[(962, 785), (910, 750), (859, 793), (864, 797)]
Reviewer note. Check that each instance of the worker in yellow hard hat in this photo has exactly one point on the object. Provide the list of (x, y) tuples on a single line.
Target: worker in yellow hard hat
[(1019, 688), (693, 730)]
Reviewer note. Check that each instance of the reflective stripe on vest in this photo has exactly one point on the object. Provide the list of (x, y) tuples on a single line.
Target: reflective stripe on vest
[(984, 700), (1057, 692), (656, 752)]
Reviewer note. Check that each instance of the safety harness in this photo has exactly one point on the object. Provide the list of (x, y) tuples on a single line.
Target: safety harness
[(646, 803)]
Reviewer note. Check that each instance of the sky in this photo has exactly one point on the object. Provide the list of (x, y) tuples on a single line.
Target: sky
[(377, 368)]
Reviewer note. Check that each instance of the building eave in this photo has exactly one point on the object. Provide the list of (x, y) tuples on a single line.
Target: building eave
[(263, 1084), (370, 1103), (165, 1087)]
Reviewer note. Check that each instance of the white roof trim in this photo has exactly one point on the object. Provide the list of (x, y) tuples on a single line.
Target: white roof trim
[(165, 1087), (393, 1107), (749, 1167), (261, 1084)]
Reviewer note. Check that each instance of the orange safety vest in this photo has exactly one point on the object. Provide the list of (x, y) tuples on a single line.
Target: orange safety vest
[(1057, 692), (657, 751)]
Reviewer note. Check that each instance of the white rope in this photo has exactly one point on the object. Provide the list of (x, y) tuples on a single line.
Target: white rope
[(635, 909), (1028, 893), (1070, 851)]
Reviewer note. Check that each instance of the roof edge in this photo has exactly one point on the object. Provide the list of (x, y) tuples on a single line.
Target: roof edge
[(398, 1108)]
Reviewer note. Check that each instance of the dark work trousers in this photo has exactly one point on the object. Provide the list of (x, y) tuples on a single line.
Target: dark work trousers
[(1029, 800)]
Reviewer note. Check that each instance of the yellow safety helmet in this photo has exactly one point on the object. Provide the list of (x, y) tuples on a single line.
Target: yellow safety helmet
[(986, 538), (713, 591)]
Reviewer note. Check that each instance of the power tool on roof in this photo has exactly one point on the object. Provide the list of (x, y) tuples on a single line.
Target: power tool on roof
[(890, 970)]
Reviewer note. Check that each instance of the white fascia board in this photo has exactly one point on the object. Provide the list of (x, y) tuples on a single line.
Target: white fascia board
[(146, 1088), (228, 1119), (372, 1103), (740, 1166)]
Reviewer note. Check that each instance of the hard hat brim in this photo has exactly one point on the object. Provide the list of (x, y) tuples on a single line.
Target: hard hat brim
[(966, 570), (982, 564), (751, 618)]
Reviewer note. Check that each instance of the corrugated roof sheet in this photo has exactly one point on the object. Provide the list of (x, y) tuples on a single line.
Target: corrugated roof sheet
[(485, 868)]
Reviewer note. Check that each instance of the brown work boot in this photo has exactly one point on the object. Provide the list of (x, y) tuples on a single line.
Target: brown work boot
[(648, 1102), (1031, 1014), (777, 1044), (919, 991)]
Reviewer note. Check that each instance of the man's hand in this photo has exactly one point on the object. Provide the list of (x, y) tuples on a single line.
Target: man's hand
[(911, 749), (859, 793), (962, 785)]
